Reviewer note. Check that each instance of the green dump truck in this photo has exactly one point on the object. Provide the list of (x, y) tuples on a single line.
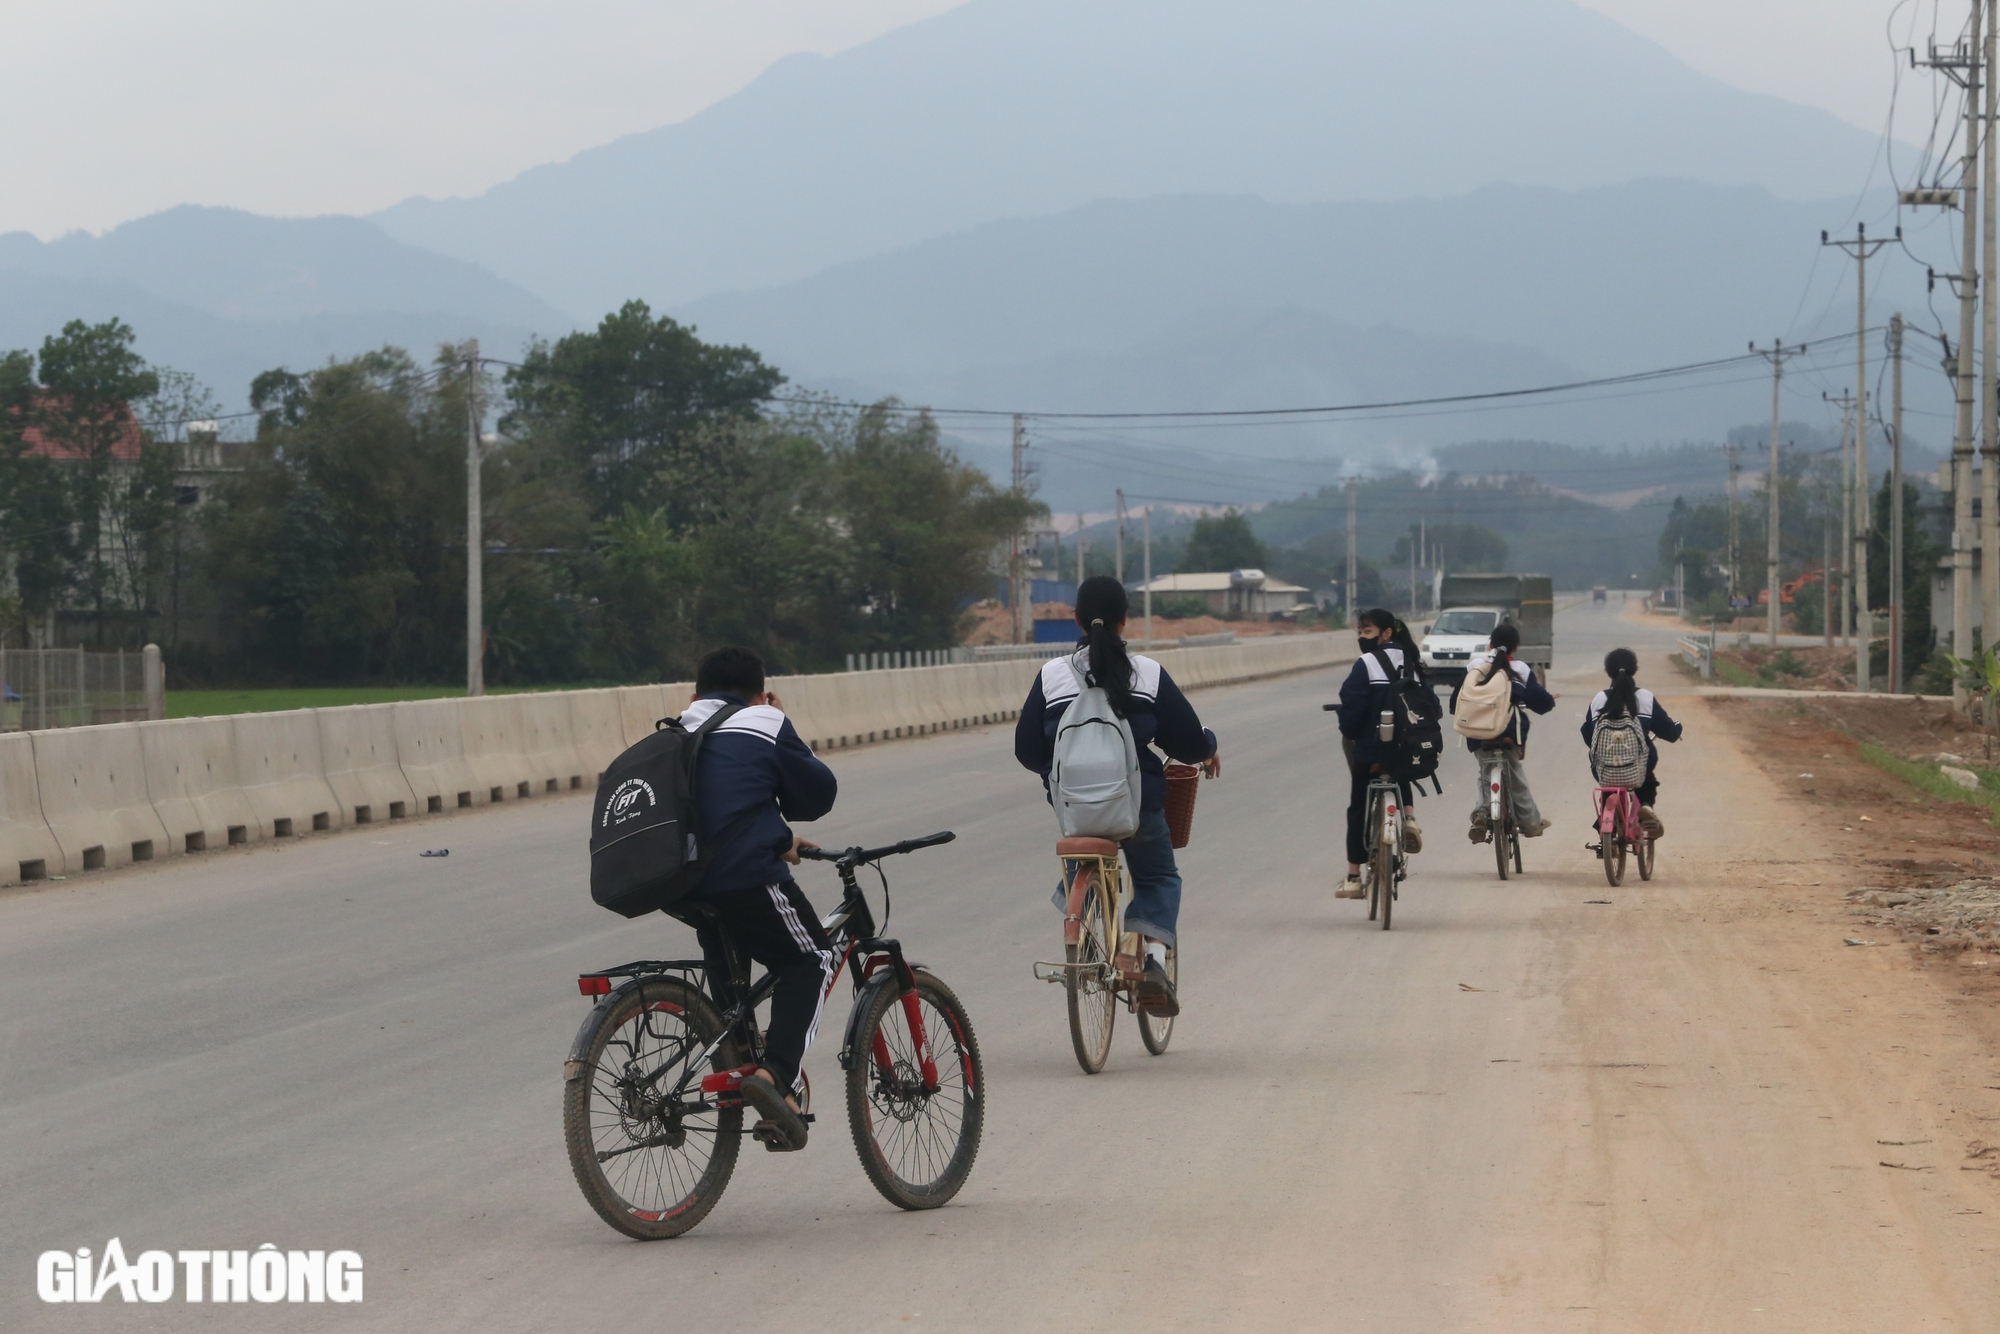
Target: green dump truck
[(1470, 605)]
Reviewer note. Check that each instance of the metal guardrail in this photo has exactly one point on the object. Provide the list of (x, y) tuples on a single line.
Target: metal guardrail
[(877, 662), (1699, 653), (42, 689)]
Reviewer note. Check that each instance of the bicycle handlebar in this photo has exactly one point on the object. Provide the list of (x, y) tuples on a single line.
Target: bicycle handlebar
[(857, 855), (1329, 708)]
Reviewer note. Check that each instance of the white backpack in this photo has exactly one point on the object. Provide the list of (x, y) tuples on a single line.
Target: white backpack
[(1094, 782), (1485, 708)]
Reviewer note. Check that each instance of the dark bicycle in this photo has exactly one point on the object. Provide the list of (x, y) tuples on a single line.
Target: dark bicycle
[(652, 1108)]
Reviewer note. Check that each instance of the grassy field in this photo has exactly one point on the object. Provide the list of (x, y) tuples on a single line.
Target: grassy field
[(207, 703)]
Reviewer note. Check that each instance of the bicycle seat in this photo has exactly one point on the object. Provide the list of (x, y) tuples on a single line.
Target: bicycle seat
[(1086, 847)]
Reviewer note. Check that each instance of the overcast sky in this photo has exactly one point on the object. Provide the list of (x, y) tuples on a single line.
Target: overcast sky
[(118, 108)]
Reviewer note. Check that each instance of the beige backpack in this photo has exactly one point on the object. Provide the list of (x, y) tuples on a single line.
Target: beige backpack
[(1485, 708)]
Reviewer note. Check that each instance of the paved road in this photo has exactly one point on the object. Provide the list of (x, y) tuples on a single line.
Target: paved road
[(338, 1044)]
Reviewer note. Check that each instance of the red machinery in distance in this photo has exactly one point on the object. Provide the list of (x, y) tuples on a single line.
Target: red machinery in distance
[(1790, 587)]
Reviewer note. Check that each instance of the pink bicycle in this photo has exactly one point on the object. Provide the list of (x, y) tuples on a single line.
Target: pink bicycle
[(1619, 830)]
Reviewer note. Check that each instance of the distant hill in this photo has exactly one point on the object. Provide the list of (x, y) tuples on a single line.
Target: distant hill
[(1017, 108), (226, 294)]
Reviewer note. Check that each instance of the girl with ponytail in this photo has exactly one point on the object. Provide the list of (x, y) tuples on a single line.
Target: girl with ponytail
[(1624, 698), (1388, 656), (1145, 696), (1509, 748)]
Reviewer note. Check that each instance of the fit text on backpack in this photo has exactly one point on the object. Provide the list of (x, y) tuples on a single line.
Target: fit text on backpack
[(1094, 781)]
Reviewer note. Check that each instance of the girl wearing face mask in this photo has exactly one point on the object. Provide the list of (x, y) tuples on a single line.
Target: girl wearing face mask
[(1363, 695)]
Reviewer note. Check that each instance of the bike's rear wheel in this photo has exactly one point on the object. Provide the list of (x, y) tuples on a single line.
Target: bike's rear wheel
[(1614, 857), (1385, 866), (1091, 985), (916, 1146), (1155, 1029), (648, 1162)]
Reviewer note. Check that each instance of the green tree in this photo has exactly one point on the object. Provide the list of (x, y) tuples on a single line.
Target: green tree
[(90, 376), (921, 527), (1224, 542), (627, 406), (338, 553)]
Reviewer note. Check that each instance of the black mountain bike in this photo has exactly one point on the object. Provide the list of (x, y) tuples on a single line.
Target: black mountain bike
[(652, 1108)]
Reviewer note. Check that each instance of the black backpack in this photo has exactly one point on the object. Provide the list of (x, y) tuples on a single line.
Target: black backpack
[(1411, 755), (643, 853)]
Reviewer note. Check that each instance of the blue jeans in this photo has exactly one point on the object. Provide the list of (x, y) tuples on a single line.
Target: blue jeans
[(1155, 906)]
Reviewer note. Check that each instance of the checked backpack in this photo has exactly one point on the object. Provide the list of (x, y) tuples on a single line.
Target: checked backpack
[(1416, 743), (1618, 752), (643, 851)]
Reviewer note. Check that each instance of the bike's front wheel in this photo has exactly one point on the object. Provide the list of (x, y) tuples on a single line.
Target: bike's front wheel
[(916, 1106), (1614, 857), (1384, 864), (1092, 981), (1156, 1029), (649, 1149), (1643, 848)]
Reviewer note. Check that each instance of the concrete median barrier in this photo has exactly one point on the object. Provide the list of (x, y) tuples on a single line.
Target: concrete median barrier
[(548, 745), (93, 787), (28, 851), (597, 730), (194, 785), (642, 707), (495, 738), (283, 770), (430, 750), (357, 746)]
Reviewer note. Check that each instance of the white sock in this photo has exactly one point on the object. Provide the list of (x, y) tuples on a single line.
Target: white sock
[(1155, 950)]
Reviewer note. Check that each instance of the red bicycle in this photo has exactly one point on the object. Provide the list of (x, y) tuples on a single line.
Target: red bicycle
[(1619, 830), (652, 1102)]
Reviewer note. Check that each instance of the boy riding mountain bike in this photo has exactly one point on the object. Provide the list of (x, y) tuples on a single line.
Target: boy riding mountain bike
[(1146, 698), (753, 774), (1388, 658), (1508, 748), (1624, 699)]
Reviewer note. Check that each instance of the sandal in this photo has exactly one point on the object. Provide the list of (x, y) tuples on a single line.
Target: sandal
[(781, 1130)]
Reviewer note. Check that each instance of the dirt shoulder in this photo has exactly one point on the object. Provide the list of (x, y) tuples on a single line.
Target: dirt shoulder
[(1751, 1124)]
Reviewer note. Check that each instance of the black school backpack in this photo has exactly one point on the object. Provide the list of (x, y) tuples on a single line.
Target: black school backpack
[(1412, 753), (643, 853)]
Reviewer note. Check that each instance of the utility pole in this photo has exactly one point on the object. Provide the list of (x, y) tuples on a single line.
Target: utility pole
[(1734, 534), (1413, 576), (1776, 356), (1989, 436), (1826, 568), (1861, 248), (1845, 499), (1962, 64), (1119, 550), (1079, 550), (475, 539), (1148, 590), (1014, 552), (1846, 404), (1896, 507), (1352, 583)]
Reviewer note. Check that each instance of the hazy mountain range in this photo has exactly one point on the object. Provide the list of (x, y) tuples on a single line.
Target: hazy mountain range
[(1104, 205), (1016, 108)]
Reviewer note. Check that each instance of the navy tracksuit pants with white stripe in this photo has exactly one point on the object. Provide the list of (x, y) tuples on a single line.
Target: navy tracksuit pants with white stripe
[(776, 926)]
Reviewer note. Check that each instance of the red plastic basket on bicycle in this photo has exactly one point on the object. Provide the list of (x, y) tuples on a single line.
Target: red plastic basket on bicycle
[(1183, 782)]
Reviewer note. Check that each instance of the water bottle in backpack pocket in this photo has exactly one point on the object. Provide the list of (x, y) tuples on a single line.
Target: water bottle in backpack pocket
[(1094, 781)]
